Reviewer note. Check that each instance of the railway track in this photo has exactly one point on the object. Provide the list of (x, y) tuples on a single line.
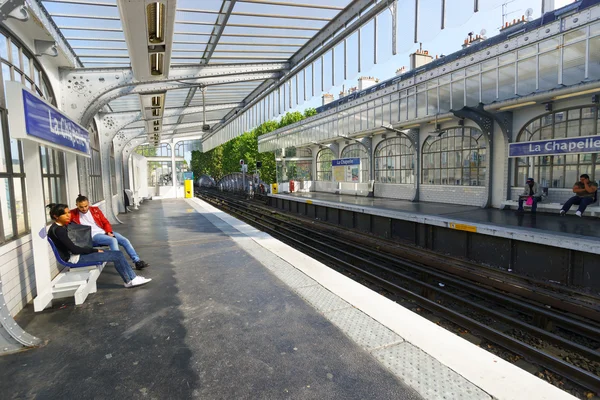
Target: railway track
[(554, 328)]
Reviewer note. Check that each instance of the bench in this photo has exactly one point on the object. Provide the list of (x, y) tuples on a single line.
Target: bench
[(593, 210), (75, 280)]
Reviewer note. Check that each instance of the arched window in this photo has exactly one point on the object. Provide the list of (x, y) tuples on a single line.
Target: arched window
[(183, 156), (456, 156), (358, 150), (186, 146), (324, 157), (18, 64), (146, 150), (394, 161), (559, 171)]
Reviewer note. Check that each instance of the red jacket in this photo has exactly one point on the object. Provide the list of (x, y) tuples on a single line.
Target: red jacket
[(99, 218)]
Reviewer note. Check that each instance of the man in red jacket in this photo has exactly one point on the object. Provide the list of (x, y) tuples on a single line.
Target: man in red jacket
[(102, 232)]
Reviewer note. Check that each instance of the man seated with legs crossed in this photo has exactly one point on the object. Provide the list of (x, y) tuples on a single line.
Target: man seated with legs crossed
[(102, 232), (585, 194)]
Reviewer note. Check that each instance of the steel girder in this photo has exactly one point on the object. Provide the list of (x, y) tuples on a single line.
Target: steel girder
[(215, 36), (314, 48), (174, 127), (46, 20), (130, 117), (85, 91)]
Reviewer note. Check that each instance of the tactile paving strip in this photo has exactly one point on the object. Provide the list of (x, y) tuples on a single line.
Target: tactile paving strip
[(363, 329), (292, 277), (430, 378), (322, 299)]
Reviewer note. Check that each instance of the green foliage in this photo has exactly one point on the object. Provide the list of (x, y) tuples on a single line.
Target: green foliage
[(225, 159)]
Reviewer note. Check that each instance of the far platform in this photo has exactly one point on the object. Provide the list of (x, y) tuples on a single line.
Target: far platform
[(568, 232)]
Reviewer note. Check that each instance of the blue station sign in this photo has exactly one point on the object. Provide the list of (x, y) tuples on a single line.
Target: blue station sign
[(583, 144), (342, 162), (31, 117)]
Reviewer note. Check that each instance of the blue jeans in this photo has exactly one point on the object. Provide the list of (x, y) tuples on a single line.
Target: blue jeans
[(533, 206), (583, 202), (114, 242), (115, 257)]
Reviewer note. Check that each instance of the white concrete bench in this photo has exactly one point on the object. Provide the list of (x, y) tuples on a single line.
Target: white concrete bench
[(592, 210), (75, 280)]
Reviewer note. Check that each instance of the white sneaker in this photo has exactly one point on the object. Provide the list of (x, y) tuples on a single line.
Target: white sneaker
[(562, 212), (578, 213), (137, 281)]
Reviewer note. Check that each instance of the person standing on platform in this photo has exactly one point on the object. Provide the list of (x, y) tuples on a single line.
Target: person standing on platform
[(586, 192), (102, 232), (532, 190)]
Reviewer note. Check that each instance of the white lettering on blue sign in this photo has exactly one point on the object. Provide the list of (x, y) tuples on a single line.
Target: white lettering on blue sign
[(345, 161), (587, 144), (44, 122)]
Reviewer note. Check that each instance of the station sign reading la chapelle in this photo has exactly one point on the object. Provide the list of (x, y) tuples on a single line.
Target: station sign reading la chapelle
[(32, 118), (575, 145)]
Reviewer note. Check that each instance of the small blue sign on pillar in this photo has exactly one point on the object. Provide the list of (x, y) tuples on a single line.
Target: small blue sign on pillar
[(188, 176)]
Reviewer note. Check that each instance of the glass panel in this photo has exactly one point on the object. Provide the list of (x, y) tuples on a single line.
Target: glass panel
[(506, 58), (3, 47), (527, 51), (432, 102), (548, 70), (26, 62), (3, 164), (488, 86), (574, 63), (458, 93), (526, 76), (16, 58), (7, 217), (44, 159), (489, 64), (550, 44), (472, 91), (421, 104), (20, 205), (412, 107), (575, 35), (594, 56), (506, 82), (444, 99), (15, 155)]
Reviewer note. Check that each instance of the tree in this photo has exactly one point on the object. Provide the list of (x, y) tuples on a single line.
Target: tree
[(225, 159)]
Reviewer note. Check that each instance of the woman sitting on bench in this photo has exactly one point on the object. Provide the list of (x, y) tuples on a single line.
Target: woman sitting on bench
[(74, 254)]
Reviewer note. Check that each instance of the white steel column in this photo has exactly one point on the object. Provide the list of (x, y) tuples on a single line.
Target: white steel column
[(173, 171), (37, 220)]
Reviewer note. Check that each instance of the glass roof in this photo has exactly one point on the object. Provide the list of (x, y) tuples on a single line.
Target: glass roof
[(256, 31)]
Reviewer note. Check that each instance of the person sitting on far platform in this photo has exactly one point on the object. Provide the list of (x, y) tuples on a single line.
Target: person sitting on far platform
[(585, 194), (102, 232), (72, 253), (532, 190)]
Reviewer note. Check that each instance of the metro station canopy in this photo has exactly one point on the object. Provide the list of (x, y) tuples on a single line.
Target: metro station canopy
[(177, 68)]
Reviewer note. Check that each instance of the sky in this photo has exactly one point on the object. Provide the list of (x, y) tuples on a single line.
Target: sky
[(446, 41)]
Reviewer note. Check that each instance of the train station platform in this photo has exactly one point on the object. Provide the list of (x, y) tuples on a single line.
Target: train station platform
[(233, 313), (552, 229)]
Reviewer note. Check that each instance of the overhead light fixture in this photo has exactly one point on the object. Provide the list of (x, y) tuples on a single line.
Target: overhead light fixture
[(411, 126), (156, 112), (596, 99), (527, 103), (156, 129), (566, 96), (156, 63), (156, 123), (156, 101), (155, 15), (548, 106), (441, 120)]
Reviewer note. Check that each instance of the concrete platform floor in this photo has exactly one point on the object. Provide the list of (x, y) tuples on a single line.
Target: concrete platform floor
[(213, 324)]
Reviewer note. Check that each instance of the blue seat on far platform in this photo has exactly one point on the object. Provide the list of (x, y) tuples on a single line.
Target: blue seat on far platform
[(68, 264)]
